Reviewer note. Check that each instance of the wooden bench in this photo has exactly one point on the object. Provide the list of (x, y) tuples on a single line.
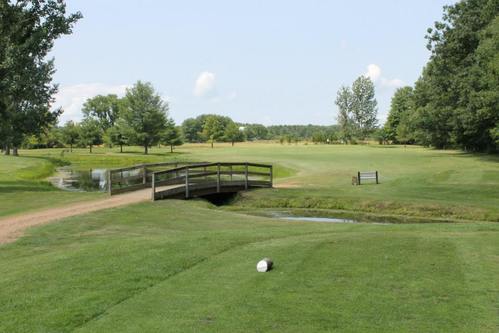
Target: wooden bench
[(366, 175)]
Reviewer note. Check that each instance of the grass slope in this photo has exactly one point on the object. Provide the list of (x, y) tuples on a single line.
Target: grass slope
[(23, 185), (182, 267)]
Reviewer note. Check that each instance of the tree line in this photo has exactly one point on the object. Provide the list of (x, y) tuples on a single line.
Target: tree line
[(139, 118), (455, 102)]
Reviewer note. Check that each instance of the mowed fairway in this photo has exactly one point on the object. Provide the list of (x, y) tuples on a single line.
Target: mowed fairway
[(177, 266), (187, 266)]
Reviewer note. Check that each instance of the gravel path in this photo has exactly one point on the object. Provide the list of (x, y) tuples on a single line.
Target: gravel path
[(13, 227)]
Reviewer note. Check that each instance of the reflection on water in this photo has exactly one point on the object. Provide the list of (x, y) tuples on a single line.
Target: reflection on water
[(70, 180), (316, 219)]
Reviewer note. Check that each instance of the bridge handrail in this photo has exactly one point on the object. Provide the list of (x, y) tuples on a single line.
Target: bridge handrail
[(183, 176)]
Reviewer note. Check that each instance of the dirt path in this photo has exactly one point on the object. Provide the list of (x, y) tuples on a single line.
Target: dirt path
[(13, 227)]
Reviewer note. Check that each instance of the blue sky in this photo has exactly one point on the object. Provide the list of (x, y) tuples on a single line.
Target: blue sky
[(270, 62)]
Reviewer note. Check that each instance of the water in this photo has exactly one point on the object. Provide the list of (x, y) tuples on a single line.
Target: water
[(290, 217), (317, 219), (87, 181)]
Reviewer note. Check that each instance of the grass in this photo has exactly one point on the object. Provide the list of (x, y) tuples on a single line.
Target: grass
[(23, 185), (185, 267), (415, 182)]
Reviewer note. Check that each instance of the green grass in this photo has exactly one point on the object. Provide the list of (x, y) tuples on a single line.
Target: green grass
[(176, 266), (23, 185), (184, 266), (416, 182)]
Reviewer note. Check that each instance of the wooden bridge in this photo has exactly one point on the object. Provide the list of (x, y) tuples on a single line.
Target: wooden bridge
[(188, 180)]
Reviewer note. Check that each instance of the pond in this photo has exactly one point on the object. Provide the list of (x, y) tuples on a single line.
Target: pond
[(88, 181), (291, 217)]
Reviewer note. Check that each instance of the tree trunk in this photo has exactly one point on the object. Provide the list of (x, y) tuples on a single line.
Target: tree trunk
[(171, 148), (6, 149), (232, 143), (211, 143), (121, 148), (71, 147), (14, 151), (90, 149), (146, 149)]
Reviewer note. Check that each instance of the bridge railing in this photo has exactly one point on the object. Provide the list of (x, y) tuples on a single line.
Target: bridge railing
[(137, 177), (209, 177)]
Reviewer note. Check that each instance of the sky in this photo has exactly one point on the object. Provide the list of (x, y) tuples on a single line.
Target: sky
[(269, 62)]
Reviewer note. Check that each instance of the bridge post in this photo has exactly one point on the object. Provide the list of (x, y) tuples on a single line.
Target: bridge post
[(109, 185), (271, 174), (246, 176), (218, 178), (153, 187), (187, 182), (230, 168), (144, 175)]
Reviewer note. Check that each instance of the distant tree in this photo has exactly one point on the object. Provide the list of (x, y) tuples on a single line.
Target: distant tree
[(402, 103), (106, 109), (344, 100), (255, 132), (364, 107), (71, 134), (90, 133), (192, 129), (214, 129), (146, 113), (119, 134), (233, 134), (172, 135)]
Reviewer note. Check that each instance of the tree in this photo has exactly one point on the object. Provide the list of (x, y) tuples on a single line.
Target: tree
[(146, 114), (233, 133), (71, 134), (364, 107), (28, 29), (106, 109), (357, 109), (192, 129), (172, 135), (344, 100), (119, 134), (402, 103), (213, 129), (90, 133), (457, 95)]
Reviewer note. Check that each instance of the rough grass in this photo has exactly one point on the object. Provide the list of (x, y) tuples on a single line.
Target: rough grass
[(177, 266)]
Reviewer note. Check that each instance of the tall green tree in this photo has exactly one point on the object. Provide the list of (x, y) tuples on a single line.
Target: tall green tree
[(106, 109), (172, 135), (213, 129), (233, 134), (146, 114), (28, 29), (364, 107), (344, 100), (119, 134), (90, 133), (71, 134), (402, 103), (457, 95)]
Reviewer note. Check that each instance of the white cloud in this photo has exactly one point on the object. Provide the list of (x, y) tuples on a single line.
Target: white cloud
[(71, 98), (205, 85), (374, 73)]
